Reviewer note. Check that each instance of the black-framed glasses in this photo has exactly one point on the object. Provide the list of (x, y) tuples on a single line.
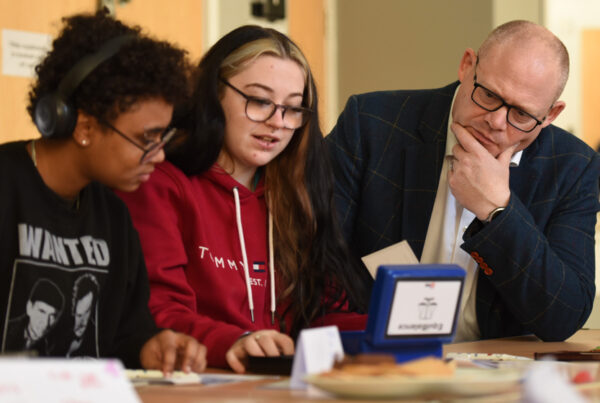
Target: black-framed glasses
[(261, 109), (490, 101), (154, 140)]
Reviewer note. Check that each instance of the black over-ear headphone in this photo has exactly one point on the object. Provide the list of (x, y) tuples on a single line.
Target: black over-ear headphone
[(53, 115)]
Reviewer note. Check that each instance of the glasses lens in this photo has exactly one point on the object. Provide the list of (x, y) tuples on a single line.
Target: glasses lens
[(521, 120), (294, 118), (486, 99), (156, 147), (259, 109)]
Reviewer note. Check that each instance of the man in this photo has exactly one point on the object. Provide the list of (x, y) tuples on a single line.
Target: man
[(475, 174), (103, 101), (43, 308), (85, 294)]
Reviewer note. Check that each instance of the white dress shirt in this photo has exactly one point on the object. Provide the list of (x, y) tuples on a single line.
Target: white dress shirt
[(449, 220)]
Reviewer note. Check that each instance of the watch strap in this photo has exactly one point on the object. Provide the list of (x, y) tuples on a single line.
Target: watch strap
[(493, 214)]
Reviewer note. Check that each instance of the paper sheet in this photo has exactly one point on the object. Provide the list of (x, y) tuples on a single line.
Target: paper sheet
[(398, 253)]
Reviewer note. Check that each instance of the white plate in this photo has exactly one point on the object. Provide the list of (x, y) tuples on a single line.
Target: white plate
[(464, 382)]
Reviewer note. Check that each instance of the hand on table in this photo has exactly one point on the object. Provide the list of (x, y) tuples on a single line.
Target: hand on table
[(478, 181), (169, 351), (262, 343)]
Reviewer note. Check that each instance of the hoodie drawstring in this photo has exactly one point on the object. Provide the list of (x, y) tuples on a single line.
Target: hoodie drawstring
[(272, 268), (238, 217)]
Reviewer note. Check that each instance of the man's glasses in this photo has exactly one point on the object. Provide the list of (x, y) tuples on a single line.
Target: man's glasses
[(488, 100), (154, 140), (261, 109)]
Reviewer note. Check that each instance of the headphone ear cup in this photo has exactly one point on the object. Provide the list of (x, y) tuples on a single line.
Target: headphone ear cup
[(54, 117)]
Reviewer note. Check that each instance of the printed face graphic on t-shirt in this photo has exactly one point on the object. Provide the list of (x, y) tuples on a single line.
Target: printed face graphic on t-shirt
[(55, 291), (41, 318), (83, 309)]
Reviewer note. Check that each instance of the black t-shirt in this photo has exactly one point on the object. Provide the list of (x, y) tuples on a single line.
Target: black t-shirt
[(72, 276)]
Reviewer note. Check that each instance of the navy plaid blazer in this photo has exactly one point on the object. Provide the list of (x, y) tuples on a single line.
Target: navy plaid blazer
[(387, 151)]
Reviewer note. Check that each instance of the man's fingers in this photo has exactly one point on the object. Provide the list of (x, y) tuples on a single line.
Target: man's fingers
[(506, 155), (466, 139)]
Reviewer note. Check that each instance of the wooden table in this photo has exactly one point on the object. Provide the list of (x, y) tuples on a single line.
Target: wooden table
[(255, 392)]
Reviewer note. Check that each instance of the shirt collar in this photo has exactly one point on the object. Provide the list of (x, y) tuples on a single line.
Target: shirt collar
[(451, 138)]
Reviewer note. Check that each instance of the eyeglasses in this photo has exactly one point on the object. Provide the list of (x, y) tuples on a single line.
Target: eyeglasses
[(154, 140), (261, 109), (516, 117)]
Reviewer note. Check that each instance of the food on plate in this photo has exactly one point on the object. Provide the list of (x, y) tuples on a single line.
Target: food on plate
[(423, 367)]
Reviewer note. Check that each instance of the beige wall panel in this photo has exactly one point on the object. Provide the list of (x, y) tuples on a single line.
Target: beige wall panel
[(391, 44), (39, 16), (177, 21), (306, 27), (591, 86)]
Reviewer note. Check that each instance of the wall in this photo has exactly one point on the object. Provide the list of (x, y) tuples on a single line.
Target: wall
[(389, 44), (39, 16), (568, 20), (181, 24)]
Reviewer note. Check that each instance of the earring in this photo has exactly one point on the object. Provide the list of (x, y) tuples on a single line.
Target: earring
[(84, 142)]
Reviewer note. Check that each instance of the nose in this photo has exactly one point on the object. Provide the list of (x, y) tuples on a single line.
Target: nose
[(276, 120), (155, 156), (497, 118)]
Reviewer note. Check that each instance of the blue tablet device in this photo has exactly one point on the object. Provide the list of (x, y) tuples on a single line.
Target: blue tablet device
[(412, 313)]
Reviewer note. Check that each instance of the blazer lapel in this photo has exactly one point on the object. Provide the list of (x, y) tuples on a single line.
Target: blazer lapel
[(423, 168)]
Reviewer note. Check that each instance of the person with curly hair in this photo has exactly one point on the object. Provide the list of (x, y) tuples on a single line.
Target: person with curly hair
[(238, 226), (103, 101)]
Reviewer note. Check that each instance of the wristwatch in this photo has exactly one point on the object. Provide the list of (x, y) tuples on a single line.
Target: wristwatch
[(493, 214)]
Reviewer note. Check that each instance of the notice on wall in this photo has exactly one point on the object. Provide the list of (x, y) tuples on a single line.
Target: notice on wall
[(22, 51)]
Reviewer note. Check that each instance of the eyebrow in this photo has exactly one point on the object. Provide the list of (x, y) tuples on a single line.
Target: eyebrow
[(270, 90)]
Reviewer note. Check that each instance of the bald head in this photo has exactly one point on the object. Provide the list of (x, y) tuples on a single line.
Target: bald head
[(532, 41)]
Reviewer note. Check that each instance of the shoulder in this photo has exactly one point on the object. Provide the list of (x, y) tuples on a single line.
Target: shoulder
[(12, 152), (166, 177), (555, 143), (390, 102)]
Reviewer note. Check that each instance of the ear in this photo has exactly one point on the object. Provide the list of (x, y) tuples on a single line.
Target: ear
[(556, 109), (467, 65), (83, 132)]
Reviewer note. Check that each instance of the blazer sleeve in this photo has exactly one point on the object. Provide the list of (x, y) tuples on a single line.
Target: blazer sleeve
[(344, 145), (543, 273), (158, 209)]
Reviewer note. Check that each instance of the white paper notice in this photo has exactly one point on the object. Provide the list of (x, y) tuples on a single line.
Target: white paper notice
[(63, 380), (22, 51), (396, 254), (317, 350), (423, 307)]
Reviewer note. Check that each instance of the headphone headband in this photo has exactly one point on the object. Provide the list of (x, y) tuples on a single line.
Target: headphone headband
[(54, 115), (88, 63)]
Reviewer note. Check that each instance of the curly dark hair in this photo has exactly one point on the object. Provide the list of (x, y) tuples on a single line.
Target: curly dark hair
[(143, 68)]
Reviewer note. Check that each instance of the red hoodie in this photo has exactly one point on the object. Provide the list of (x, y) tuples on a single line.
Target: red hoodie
[(190, 238)]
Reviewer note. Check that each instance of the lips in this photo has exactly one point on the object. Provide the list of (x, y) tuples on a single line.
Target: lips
[(266, 141), (483, 140)]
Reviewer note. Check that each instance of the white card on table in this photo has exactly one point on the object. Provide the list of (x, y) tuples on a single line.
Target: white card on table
[(64, 380), (317, 350)]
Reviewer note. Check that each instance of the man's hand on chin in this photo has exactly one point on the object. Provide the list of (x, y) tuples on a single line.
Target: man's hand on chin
[(478, 181)]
